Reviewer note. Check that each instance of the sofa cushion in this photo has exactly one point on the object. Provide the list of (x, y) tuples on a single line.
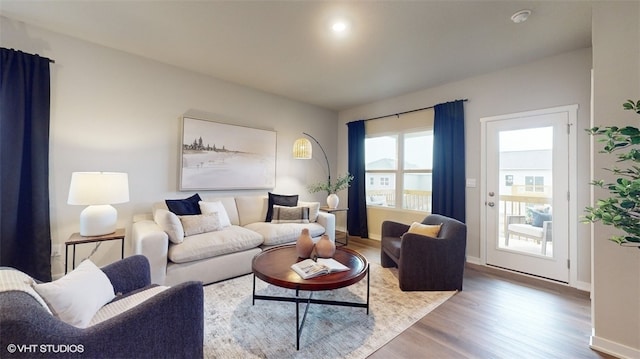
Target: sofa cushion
[(274, 234), (200, 223), (251, 209), (212, 244), (314, 209), (76, 297), (280, 200), (526, 230), (282, 214), (185, 206), (170, 224), (216, 207)]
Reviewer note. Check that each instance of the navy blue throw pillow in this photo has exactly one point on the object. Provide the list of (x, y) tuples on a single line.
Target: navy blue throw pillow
[(280, 200), (185, 207)]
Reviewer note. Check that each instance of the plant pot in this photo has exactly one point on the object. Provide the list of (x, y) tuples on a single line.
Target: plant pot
[(333, 200)]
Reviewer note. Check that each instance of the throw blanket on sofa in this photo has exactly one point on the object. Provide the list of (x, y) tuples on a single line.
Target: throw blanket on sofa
[(13, 280)]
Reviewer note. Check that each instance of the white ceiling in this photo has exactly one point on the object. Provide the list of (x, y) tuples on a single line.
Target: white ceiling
[(286, 47)]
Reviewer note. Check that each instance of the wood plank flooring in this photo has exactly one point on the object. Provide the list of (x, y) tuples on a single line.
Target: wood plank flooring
[(497, 315)]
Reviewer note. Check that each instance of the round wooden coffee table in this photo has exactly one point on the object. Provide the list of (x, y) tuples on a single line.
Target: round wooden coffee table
[(274, 267)]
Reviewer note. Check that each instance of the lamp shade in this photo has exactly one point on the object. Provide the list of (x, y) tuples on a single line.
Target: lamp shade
[(98, 188), (302, 149)]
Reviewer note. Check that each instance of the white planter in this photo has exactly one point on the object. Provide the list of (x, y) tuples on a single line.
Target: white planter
[(333, 200)]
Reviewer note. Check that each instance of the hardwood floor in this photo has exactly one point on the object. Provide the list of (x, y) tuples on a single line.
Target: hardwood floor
[(496, 315)]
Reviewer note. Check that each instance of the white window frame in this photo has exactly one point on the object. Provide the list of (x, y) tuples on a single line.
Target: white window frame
[(399, 171)]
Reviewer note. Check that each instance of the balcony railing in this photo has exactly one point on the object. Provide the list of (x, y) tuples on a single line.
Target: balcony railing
[(515, 203), (411, 199)]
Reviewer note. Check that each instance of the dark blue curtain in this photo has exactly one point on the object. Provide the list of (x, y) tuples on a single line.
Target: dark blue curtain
[(25, 235), (357, 215), (448, 197)]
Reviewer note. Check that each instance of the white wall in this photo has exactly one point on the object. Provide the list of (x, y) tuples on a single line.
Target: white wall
[(112, 111), (555, 81), (616, 269)]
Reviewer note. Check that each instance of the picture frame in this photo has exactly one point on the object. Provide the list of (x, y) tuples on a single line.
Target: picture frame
[(220, 156)]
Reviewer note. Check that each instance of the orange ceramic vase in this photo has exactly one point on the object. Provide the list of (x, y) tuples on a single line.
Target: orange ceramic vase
[(304, 244), (325, 248)]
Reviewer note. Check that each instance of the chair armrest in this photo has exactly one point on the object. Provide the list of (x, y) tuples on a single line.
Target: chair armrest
[(437, 261), (512, 220), (393, 229), (129, 274), (152, 242), (168, 325), (547, 229), (328, 221)]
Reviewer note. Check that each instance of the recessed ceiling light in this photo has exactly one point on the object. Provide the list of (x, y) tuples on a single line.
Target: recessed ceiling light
[(520, 16), (339, 27)]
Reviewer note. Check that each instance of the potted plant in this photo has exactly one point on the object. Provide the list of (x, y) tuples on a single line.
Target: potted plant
[(331, 188), (622, 208)]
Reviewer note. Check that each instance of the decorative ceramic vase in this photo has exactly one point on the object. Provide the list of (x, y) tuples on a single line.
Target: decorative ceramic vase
[(325, 248), (333, 200), (304, 244)]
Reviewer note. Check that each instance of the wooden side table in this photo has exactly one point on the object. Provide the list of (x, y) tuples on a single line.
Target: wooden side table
[(346, 233), (76, 239)]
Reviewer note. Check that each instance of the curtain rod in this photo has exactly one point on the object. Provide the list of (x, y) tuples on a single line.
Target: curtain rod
[(405, 112), (48, 59)]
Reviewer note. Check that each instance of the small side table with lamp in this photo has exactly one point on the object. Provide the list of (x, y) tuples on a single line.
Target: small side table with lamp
[(346, 233)]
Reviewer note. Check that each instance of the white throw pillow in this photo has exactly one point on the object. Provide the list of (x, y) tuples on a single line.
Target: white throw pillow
[(200, 223), (314, 209), (170, 223), (213, 207), (77, 297)]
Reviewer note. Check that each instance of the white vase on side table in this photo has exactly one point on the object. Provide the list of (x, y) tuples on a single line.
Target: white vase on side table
[(333, 200)]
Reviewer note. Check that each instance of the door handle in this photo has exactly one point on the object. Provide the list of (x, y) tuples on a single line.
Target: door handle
[(491, 204)]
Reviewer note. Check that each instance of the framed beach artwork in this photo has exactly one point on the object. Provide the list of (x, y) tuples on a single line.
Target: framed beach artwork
[(218, 156)]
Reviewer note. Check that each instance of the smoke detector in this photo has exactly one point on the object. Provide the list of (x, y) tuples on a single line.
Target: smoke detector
[(520, 16)]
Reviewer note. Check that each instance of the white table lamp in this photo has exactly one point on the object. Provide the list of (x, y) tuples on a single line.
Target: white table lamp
[(98, 190)]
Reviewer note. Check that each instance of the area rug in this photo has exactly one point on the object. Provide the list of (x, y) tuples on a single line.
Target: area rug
[(234, 328)]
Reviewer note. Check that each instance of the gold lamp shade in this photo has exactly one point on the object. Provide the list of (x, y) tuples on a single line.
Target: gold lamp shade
[(302, 149)]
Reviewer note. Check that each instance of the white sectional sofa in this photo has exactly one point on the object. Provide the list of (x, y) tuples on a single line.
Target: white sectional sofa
[(223, 253)]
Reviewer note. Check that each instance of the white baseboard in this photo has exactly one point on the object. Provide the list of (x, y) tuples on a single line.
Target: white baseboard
[(583, 286), (474, 260), (613, 348)]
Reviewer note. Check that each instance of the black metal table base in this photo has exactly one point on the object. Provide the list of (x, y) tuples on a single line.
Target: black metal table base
[(298, 300)]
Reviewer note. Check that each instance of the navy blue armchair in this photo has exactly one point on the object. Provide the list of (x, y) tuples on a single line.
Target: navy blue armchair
[(168, 325)]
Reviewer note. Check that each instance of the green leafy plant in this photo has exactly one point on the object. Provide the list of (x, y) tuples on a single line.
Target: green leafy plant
[(341, 183), (622, 209)]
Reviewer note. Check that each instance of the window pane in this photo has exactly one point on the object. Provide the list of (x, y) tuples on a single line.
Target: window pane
[(418, 150), (381, 153), (381, 189), (417, 191)]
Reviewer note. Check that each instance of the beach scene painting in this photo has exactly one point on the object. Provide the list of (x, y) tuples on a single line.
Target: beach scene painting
[(219, 156)]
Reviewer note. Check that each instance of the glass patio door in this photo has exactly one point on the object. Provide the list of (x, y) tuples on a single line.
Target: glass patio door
[(526, 192)]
